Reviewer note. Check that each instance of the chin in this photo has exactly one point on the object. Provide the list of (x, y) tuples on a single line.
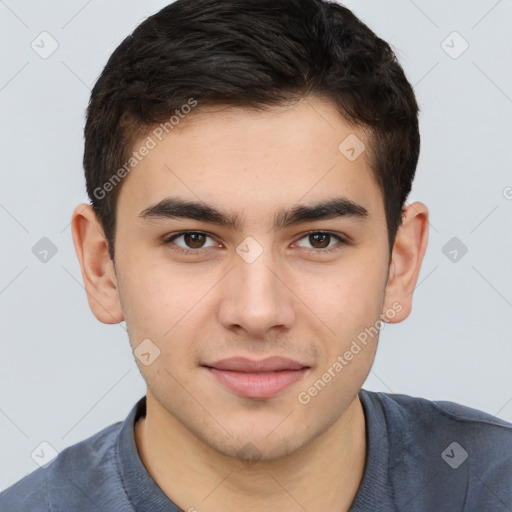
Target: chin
[(250, 448)]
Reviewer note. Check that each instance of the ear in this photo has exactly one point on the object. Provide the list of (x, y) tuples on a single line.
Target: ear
[(98, 270), (406, 259)]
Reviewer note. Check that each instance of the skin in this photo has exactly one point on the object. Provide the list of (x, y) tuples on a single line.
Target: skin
[(293, 301)]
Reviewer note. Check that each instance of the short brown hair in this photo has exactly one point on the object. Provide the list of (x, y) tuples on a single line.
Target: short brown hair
[(254, 53)]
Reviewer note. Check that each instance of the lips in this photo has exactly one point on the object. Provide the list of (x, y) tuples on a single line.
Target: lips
[(269, 364), (263, 378)]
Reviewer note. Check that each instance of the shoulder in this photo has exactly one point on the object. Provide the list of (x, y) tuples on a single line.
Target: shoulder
[(423, 413), (74, 472), (449, 449), (439, 421), (28, 494)]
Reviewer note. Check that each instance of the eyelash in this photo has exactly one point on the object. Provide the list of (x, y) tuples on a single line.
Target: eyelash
[(170, 239)]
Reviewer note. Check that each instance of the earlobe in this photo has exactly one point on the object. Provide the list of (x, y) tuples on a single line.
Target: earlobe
[(98, 271), (408, 252)]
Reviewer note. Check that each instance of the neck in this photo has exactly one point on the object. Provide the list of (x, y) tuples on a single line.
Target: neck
[(323, 475)]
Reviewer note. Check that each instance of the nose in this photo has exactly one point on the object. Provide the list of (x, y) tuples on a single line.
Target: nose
[(256, 297)]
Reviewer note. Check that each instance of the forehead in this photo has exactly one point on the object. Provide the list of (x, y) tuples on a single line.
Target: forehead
[(253, 161)]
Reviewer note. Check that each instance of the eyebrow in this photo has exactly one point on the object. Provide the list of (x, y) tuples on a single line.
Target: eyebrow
[(175, 207)]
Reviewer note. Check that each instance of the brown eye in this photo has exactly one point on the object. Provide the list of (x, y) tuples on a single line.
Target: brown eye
[(320, 240), (190, 241), (194, 240)]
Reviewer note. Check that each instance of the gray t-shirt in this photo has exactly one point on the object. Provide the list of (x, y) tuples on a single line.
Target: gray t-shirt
[(423, 456)]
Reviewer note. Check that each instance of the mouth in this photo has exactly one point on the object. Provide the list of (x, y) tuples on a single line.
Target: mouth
[(257, 379)]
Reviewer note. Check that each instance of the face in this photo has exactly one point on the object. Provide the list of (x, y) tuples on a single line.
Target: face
[(248, 316)]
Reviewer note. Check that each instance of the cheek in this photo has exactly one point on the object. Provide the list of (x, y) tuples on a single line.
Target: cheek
[(167, 308), (351, 306), (149, 300), (353, 293)]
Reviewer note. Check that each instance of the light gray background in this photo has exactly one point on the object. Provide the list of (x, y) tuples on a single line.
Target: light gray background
[(65, 376)]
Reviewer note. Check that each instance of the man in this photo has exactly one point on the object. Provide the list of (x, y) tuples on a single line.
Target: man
[(248, 165)]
